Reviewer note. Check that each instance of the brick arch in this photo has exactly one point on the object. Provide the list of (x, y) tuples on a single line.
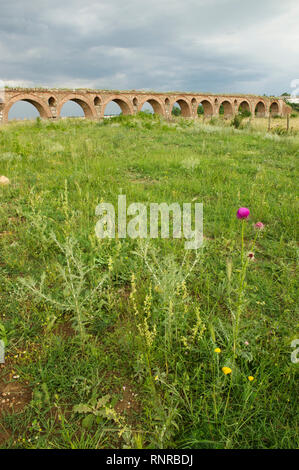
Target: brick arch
[(260, 108), (39, 104), (228, 107), (125, 105), (207, 105), (81, 100), (274, 108), (186, 109), (156, 104), (244, 105)]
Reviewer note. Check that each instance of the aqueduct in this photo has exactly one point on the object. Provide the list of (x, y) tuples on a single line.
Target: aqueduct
[(49, 102)]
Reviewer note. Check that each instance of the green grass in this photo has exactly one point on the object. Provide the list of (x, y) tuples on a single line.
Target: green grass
[(115, 339)]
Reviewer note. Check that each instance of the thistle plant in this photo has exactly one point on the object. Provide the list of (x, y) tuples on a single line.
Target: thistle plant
[(169, 280), (76, 292), (142, 319), (243, 214)]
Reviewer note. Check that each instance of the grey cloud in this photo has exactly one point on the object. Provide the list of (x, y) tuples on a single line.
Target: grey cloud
[(208, 45)]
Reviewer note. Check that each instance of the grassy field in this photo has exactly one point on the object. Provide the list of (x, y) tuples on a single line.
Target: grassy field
[(122, 343)]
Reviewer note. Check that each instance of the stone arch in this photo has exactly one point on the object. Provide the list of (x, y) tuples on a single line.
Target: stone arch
[(186, 110), (260, 109), (86, 105), (274, 108), (124, 104), (155, 103), (39, 104), (244, 106), (227, 107), (207, 107)]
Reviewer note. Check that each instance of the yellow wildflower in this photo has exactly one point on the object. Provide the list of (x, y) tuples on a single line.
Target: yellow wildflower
[(226, 370), (250, 378), (217, 350)]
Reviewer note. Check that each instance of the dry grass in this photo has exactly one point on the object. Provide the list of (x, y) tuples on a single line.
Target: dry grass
[(261, 124)]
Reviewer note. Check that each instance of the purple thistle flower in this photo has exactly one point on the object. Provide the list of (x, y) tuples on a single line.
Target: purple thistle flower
[(243, 213), (259, 226)]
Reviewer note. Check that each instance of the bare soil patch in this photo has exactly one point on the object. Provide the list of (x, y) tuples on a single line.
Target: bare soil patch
[(129, 402), (65, 330), (14, 396)]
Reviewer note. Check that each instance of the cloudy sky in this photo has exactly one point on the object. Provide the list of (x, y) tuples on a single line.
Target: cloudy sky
[(189, 45)]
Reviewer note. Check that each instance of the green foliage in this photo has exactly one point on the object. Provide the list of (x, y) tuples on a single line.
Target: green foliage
[(38, 122), (221, 110), (237, 121), (294, 106), (245, 113), (176, 111), (279, 130)]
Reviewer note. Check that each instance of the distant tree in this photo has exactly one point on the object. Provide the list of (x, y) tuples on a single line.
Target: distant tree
[(245, 113), (200, 110), (285, 94), (294, 106), (176, 111), (237, 121)]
